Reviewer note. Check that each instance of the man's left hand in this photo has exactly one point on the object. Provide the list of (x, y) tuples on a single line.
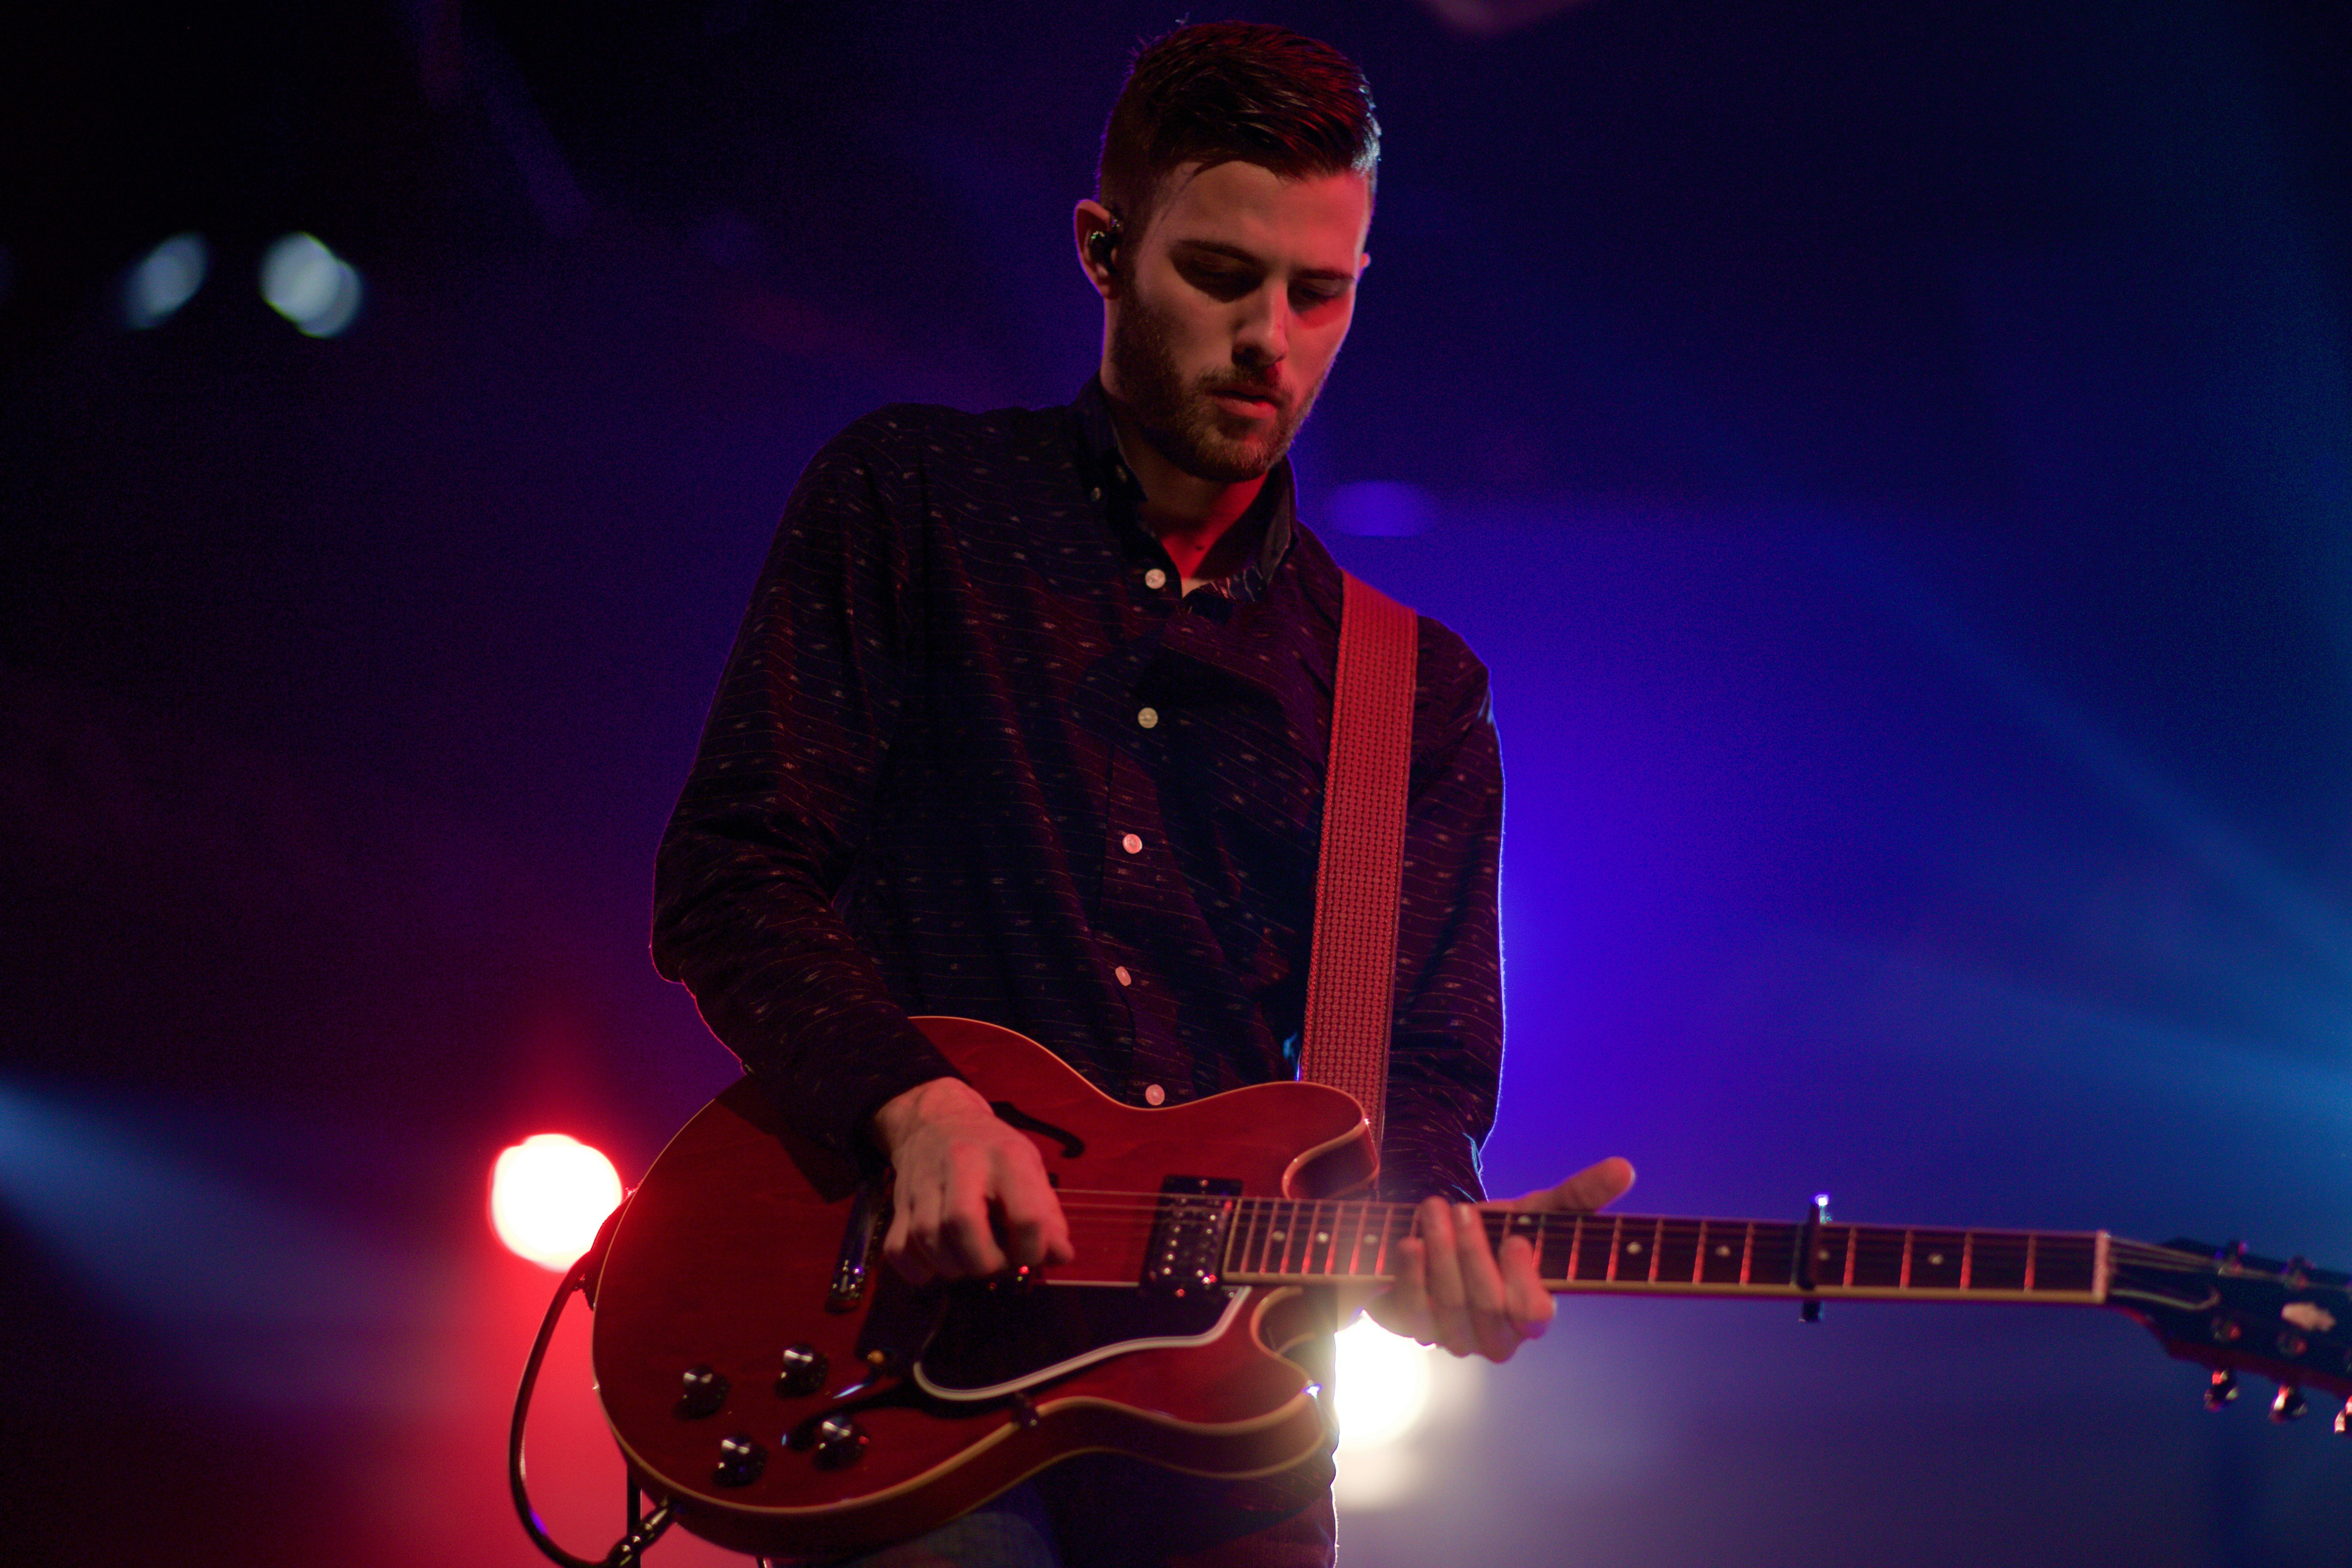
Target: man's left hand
[(1454, 1289)]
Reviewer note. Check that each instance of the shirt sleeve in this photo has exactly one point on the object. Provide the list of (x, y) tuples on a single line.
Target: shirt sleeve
[(787, 778), (1445, 1053)]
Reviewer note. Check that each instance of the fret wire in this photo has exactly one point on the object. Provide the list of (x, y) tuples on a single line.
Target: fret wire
[(1575, 1246), (1698, 1256), (1616, 1242), (1747, 1252), (1967, 1256), (1904, 1282), (2030, 1240)]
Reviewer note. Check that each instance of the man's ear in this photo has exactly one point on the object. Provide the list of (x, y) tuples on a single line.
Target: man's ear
[(1098, 235)]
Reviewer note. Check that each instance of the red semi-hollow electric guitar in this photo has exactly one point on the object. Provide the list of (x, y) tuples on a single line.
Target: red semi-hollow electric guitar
[(786, 1393)]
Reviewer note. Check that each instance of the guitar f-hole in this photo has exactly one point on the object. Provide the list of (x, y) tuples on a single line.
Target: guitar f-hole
[(1072, 1144)]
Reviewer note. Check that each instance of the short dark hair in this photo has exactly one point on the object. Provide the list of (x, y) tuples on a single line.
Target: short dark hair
[(1227, 92)]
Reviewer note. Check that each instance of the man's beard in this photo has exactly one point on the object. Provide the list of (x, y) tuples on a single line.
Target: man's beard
[(1185, 423)]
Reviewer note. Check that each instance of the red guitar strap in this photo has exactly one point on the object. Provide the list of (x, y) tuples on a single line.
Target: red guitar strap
[(1351, 973)]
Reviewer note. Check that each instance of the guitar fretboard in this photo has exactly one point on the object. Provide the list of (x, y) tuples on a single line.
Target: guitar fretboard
[(1304, 1241)]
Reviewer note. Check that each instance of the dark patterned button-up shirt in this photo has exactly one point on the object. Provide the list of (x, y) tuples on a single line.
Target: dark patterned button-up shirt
[(977, 752)]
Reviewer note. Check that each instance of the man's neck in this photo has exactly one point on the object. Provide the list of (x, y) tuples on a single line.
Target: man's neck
[(1191, 517)]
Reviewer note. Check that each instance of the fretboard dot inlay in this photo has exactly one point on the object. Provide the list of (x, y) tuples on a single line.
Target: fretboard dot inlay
[(1632, 1247), (1723, 1252), (1936, 1259)]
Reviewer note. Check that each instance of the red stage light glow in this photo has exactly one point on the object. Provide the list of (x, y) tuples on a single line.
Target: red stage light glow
[(548, 1195)]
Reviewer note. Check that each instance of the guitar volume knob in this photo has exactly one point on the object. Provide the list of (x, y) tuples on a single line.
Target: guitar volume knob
[(840, 1443), (704, 1394), (803, 1372), (740, 1460)]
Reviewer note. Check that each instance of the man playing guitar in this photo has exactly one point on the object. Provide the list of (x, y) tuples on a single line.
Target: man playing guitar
[(1027, 722)]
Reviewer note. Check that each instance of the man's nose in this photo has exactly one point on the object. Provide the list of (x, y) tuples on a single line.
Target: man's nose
[(1263, 337)]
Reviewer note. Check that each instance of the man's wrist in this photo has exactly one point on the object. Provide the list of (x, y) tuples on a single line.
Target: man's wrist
[(929, 1101)]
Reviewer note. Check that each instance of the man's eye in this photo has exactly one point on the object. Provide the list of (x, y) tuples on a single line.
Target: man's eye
[(1305, 298), (1222, 282)]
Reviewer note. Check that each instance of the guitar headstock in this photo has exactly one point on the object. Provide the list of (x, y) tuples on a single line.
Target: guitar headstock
[(2228, 1309)]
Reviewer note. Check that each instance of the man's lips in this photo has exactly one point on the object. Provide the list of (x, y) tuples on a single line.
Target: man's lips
[(1248, 401)]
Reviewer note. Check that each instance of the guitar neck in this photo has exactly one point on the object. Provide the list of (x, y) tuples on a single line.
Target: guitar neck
[(1284, 1241)]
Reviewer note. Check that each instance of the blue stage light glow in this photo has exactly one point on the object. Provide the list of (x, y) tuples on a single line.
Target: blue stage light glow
[(310, 286), (265, 1301), (1380, 509), (166, 279)]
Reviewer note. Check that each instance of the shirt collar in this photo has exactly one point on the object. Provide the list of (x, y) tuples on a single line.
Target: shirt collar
[(1114, 488)]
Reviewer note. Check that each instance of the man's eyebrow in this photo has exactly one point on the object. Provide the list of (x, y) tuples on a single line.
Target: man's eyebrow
[(1234, 252)]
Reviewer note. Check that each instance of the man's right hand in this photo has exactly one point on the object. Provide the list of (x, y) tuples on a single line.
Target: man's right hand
[(971, 1199)]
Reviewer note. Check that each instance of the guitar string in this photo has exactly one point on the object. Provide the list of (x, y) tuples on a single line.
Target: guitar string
[(1146, 1207), (1353, 1227), (1348, 1251)]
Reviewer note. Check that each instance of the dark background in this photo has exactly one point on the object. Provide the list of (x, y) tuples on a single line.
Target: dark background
[(1897, 460)]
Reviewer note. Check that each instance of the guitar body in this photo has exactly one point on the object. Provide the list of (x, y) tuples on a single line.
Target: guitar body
[(745, 1242)]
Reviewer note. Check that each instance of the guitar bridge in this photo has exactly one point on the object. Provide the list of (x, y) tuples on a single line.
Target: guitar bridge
[(1188, 1234)]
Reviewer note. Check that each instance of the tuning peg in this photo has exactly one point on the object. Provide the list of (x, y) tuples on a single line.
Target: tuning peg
[(2221, 1390), (2344, 1420), (2290, 1404)]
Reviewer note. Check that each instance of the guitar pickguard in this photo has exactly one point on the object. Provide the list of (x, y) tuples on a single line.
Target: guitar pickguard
[(990, 1344)]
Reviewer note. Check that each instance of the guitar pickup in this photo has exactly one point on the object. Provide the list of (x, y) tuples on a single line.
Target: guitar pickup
[(1188, 1234)]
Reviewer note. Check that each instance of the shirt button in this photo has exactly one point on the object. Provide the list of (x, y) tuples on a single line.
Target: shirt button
[(1155, 578), (1148, 718), (1124, 977), (1154, 1095), (1096, 493), (1132, 844)]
